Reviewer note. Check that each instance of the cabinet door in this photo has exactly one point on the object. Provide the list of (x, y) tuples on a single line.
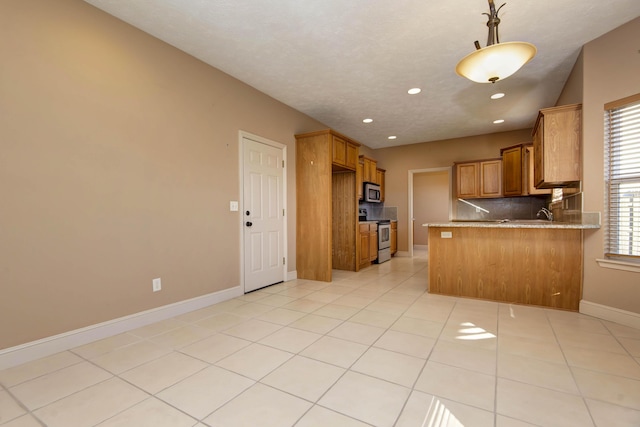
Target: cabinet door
[(339, 156), (538, 165), (369, 170), (380, 181), (351, 160), (467, 180), (512, 171), (373, 242), (491, 178), (529, 156), (364, 244)]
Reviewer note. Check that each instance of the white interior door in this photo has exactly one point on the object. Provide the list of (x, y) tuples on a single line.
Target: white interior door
[(263, 216)]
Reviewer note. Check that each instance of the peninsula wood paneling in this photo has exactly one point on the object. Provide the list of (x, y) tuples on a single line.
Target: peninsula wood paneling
[(516, 265)]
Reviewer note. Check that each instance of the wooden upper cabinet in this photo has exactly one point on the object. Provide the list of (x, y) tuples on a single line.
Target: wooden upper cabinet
[(557, 143), (339, 146), (352, 155), (517, 171), (467, 179), (529, 184), (344, 152), (479, 179), (369, 174), (367, 171), (380, 173), (491, 178), (513, 170)]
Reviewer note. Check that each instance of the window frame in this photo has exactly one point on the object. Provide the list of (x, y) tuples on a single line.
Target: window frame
[(613, 233)]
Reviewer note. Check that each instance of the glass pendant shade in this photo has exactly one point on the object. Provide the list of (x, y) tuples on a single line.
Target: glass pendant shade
[(495, 62)]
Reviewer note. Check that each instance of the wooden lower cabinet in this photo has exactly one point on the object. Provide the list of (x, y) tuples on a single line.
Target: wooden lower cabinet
[(536, 266), (368, 239), (364, 244)]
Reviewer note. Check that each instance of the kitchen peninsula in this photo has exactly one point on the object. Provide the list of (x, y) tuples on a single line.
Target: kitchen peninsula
[(532, 262)]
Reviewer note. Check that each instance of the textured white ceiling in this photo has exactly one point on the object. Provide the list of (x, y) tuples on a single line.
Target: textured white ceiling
[(342, 61)]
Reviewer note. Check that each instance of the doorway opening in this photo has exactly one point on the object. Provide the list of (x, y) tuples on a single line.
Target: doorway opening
[(429, 201)]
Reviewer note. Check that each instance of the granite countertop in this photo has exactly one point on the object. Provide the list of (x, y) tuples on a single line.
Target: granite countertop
[(516, 223)]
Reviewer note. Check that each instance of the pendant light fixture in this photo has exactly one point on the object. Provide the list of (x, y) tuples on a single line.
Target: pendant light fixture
[(496, 61)]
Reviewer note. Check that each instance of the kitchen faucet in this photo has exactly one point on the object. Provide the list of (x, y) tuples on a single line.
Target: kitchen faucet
[(547, 213)]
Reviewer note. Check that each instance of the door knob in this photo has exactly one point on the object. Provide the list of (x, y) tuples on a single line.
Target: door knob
[(249, 223)]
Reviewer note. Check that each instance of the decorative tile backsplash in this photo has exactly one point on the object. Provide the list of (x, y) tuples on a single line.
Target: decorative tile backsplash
[(503, 208), (379, 211)]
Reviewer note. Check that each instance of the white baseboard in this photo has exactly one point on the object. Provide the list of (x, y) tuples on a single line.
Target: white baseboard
[(623, 317), (27, 352), (292, 275)]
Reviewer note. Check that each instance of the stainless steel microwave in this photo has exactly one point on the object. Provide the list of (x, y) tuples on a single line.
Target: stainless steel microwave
[(371, 192)]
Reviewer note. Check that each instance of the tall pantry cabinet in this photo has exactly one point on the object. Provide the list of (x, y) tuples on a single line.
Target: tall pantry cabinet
[(326, 203)]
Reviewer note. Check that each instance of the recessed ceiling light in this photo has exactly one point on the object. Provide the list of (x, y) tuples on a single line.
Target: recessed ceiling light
[(367, 120), (414, 91), (392, 137), (497, 122), (497, 95)]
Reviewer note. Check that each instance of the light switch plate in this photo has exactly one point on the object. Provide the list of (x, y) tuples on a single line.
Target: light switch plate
[(233, 206)]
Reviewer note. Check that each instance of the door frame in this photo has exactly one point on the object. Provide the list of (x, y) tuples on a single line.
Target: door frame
[(283, 148), (411, 173)]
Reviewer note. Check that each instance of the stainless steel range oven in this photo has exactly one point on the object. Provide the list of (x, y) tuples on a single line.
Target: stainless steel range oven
[(384, 241)]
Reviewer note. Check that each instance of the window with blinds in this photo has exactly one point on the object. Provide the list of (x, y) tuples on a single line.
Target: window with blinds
[(622, 178)]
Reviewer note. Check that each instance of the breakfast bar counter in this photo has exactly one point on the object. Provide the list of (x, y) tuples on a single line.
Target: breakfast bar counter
[(523, 262)]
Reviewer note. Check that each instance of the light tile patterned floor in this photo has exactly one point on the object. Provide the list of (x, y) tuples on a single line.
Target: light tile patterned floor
[(369, 349)]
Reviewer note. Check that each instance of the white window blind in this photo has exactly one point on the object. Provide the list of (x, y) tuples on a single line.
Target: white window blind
[(622, 178)]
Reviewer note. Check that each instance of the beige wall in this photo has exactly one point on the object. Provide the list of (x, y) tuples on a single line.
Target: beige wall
[(611, 71), (118, 159), (572, 91), (398, 161), (431, 201)]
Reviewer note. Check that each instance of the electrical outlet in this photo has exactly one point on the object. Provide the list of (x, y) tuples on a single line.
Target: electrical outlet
[(157, 284), (446, 235), (233, 206)]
